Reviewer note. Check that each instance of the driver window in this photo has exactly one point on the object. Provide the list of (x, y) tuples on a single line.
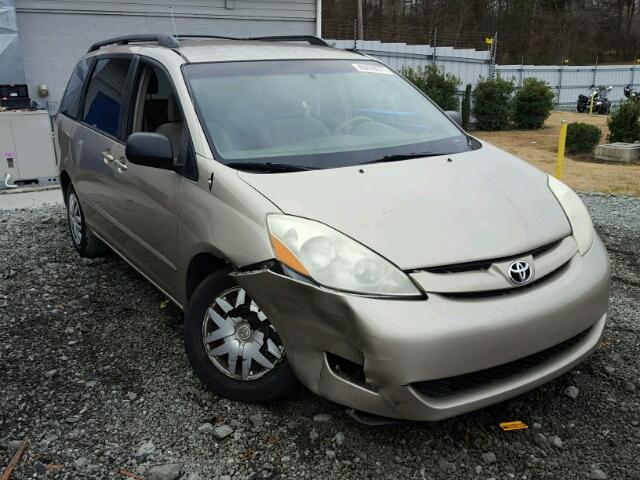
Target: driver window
[(157, 109)]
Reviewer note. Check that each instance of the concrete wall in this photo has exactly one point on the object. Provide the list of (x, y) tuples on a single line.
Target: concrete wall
[(54, 34)]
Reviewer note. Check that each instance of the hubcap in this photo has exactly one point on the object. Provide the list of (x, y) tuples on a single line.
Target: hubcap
[(238, 338), (75, 219)]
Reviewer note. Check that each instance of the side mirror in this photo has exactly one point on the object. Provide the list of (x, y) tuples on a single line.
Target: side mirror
[(150, 150), (455, 116)]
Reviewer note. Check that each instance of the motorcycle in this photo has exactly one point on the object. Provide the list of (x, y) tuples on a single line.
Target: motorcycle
[(597, 101), (631, 93)]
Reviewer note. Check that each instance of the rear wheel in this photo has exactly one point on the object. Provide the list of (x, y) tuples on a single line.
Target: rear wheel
[(83, 239), (231, 344)]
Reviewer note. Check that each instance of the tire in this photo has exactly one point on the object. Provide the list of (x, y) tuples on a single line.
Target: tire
[(83, 239), (218, 372), (581, 107)]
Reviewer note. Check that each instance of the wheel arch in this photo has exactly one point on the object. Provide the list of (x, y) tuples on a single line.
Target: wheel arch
[(200, 267), (65, 182)]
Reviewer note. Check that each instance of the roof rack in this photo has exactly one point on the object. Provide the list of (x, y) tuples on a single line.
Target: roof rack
[(163, 40), (310, 39), (171, 41)]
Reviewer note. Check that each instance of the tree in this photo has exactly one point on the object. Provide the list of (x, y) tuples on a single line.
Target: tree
[(536, 31), (532, 104), (439, 86), (492, 103), (624, 123)]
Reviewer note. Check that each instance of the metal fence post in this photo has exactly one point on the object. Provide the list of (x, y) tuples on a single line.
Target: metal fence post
[(521, 79), (355, 34), (595, 72), (435, 45), (561, 71), (492, 57)]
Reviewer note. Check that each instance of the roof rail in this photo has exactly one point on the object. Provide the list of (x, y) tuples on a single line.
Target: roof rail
[(163, 40), (171, 41), (294, 38), (310, 39)]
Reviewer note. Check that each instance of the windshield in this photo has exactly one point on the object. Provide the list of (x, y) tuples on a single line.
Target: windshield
[(316, 114)]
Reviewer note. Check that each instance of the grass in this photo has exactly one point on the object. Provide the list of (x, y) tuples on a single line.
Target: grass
[(539, 147)]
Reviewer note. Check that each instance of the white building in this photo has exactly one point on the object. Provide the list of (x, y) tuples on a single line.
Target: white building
[(54, 34)]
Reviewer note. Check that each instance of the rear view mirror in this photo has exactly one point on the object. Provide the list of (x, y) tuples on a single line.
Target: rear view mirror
[(455, 116), (150, 150)]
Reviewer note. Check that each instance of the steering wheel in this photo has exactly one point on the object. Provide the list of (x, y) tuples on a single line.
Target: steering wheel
[(351, 122)]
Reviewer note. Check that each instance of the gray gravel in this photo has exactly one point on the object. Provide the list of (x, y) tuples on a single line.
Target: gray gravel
[(93, 373)]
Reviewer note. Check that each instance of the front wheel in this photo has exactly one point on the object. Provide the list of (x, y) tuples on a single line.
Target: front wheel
[(232, 346), (581, 107)]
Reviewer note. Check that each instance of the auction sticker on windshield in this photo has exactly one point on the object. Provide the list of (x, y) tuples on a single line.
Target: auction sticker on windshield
[(368, 68)]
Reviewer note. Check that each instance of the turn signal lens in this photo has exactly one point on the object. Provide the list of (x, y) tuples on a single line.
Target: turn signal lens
[(284, 255)]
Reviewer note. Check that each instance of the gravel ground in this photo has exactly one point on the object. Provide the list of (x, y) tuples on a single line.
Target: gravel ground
[(94, 375)]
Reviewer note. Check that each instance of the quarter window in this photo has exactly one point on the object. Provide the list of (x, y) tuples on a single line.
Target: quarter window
[(71, 99), (105, 94)]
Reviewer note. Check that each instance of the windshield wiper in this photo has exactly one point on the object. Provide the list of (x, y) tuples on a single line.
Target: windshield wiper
[(267, 167), (402, 156)]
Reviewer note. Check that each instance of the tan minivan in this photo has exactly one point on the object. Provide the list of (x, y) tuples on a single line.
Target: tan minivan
[(318, 218)]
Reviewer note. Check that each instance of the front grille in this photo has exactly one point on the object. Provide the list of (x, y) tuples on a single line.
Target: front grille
[(505, 291), (445, 387), (485, 264)]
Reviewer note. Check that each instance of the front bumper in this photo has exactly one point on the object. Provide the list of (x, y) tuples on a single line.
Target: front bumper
[(404, 342)]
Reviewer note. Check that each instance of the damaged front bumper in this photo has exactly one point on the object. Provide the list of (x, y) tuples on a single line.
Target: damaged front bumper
[(403, 346)]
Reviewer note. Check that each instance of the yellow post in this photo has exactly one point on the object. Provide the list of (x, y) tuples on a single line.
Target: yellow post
[(561, 142), (592, 97)]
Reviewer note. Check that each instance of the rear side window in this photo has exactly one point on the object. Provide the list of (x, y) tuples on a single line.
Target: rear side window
[(71, 99), (105, 94)]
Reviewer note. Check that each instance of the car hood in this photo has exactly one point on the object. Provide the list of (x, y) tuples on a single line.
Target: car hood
[(427, 212)]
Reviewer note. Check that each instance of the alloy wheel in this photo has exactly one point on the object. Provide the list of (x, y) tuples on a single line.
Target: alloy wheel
[(75, 219)]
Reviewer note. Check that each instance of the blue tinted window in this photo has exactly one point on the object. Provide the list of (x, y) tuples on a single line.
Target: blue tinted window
[(105, 94), (71, 99)]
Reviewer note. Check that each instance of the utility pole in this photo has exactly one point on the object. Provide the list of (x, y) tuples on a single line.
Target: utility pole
[(360, 35)]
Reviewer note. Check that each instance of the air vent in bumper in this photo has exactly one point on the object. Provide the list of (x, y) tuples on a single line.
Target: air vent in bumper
[(446, 387)]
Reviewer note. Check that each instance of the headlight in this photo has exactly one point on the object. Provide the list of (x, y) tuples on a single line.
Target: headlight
[(334, 260), (576, 212)]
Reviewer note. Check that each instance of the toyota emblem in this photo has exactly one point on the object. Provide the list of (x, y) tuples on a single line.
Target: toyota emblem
[(520, 272)]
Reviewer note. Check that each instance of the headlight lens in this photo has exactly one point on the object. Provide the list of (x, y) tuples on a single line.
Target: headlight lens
[(576, 212), (333, 259)]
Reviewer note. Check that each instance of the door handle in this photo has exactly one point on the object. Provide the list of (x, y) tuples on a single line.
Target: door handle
[(107, 157), (120, 164)]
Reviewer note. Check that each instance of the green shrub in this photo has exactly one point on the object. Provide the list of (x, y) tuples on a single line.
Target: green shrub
[(582, 137), (439, 86), (623, 123), (466, 107), (492, 104), (532, 104)]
